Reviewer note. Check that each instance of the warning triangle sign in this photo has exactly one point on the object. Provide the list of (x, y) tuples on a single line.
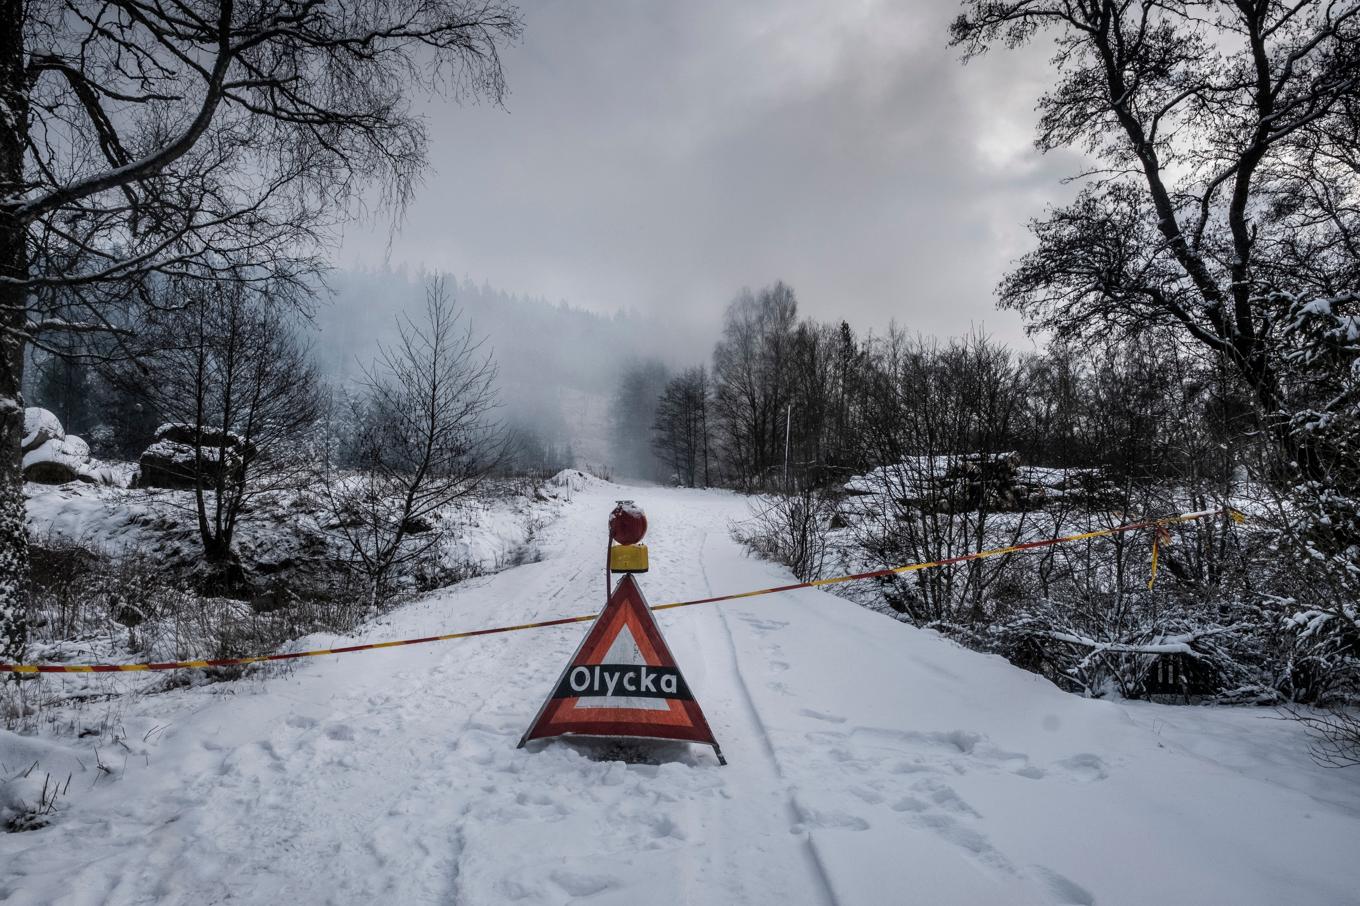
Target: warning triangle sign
[(623, 681)]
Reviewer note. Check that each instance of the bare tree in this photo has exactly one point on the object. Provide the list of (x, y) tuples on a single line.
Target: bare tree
[(680, 430), (793, 528), (232, 375), (751, 381), (941, 426), (176, 136), (1226, 136), (425, 439), (826, 367), (632, 412)]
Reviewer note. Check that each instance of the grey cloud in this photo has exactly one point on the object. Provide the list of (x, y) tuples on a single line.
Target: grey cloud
[(659, 156)]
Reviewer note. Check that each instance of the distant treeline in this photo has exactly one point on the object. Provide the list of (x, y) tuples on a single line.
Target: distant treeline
[(787, 402)]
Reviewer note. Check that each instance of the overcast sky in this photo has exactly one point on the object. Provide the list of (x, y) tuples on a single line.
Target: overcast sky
[(660, 155)]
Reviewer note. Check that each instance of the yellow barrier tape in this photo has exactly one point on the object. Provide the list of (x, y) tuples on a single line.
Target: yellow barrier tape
[(1158, 524)]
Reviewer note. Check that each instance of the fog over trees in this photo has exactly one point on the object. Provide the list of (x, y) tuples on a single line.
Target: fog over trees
[(558, 364)]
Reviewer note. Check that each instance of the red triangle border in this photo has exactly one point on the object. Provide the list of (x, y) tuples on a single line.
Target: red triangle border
[(682, 721)]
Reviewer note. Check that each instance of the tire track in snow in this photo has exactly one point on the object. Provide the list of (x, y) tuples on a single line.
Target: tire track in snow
[(812, 858)]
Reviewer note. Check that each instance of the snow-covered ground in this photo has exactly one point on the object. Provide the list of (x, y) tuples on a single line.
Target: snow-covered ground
[(870, 763), (276, 528)]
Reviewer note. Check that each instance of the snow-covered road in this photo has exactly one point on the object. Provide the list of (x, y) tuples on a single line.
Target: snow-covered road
[(870, 763)]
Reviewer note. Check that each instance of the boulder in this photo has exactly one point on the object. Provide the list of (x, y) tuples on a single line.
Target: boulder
[(51, 456), (170, 462), (50, 471), (166, 464), (40, 426), (180, 433), (76, 448), (57, 461)]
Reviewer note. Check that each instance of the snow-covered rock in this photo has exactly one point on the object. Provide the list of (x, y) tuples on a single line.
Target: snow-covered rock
[(51, 456), (173, 462), (75, 447), (40, 426), (57, 461), (180, 433)]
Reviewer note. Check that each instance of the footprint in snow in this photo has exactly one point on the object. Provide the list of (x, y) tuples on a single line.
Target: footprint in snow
[(811, 817), (821, 715), (340, 732), (950, 829), (1066, 891), (944, 796), (664, 826), (582, 885), (918, 766), (867, 794), (1085, 767)]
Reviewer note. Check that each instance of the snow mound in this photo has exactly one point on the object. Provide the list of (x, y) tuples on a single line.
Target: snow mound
[(575, 480)]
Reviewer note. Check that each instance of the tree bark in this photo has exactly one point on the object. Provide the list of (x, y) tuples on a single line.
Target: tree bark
[(13, 317)]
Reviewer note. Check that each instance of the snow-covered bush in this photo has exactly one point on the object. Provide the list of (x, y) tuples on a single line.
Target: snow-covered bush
[(1315, 517), (1136, 645), (792, 529), (87, 606)]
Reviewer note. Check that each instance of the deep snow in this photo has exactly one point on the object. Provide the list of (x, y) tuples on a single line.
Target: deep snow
[(870, 763)]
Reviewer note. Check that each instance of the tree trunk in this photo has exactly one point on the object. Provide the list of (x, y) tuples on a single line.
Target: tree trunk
[(13, 317), (226, 577), (1299, 455)]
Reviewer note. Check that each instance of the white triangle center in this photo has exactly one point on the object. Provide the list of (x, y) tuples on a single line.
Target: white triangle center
[(623, 650)]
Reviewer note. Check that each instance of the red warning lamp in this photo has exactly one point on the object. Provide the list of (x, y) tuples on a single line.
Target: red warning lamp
[(627, 523)]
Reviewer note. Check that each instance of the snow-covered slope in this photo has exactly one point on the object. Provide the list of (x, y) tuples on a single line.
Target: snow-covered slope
[(870, 763)]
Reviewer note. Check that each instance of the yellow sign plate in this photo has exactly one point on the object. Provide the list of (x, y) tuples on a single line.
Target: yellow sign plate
[(628, 558)]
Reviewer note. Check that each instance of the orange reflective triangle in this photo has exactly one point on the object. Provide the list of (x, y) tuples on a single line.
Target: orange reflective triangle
[(623, 681)]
